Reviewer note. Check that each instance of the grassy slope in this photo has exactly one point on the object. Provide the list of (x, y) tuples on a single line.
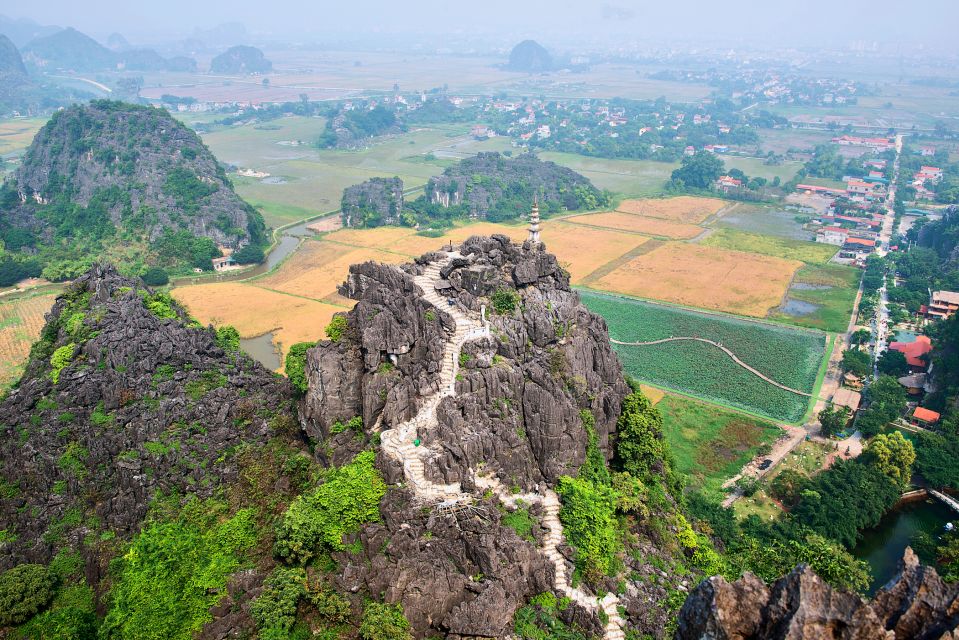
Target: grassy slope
[(710, 443)]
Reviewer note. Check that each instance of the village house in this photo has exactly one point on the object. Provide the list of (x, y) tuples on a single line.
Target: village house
[(847, 398), (832, 235), (922, 417), (915, 383), (917, 353), (727, 183), (927, 151), (942, 304), (223, 264)]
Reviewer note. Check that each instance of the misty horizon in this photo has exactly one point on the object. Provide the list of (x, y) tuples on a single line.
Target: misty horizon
[(563, 25)]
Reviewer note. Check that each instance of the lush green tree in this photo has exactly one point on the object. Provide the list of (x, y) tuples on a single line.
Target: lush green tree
[(24, 590), (887, 401), (937, 459), (848, 497), (296, 365), (893, 455), (640, 445), (228, 338), (856, 362), (175, 571), (589, 520), (155, 277), (892, 363), (249, 254), (833, 420), (385, 622), (698, 171), (860, 336), (788, 486), (275, 608), (349, 498)]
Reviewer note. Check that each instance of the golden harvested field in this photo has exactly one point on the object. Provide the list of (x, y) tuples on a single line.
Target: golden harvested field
[(255, 311), (318, 267), (685, 209), (617, 220), (652, 393), (20, 325), (405, 241), (582, 250), (708, 277)]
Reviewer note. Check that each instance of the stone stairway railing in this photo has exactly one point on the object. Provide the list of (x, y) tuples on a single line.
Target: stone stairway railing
[(398, 444)]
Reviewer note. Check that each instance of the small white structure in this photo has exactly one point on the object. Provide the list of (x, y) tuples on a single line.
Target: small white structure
[(534, 223)]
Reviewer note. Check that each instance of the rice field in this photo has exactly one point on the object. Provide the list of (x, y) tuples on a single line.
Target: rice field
[(713, 278), (808, 252), (20, 324), (684, 209), (653, 227), (255, 311), (791, 357)]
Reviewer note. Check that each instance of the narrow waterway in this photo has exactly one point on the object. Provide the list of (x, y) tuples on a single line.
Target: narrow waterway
[(914, 524), (262, 349), (288, 242)]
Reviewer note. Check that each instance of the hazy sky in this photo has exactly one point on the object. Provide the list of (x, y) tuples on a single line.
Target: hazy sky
[(934, 22)]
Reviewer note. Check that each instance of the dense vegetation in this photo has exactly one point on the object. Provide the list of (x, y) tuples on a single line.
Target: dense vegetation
[(241, 59), (123, 182)]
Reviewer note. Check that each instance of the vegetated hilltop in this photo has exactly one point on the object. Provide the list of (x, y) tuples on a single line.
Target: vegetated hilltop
[(529, 56), (487, 186), (495, 187), (351, 128), (120, 180), (372, 203), (72, 50), (241, 59)]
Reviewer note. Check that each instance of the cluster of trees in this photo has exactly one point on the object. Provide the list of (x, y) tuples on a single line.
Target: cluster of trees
[(358, 124)]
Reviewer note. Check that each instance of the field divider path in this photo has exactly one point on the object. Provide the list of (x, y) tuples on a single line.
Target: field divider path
[(719, 346), (398, 443)]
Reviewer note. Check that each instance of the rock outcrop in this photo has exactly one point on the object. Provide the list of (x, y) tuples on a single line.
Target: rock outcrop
[(123, 399), (95, 170), (241, 59), (494, 186), (506, 416), (376, 202), (916, 604)]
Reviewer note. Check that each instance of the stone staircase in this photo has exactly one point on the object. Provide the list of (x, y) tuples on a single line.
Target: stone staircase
[(398, 444)]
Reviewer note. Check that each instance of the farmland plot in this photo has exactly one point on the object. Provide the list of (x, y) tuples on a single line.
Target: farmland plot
[(686, 209), (788, 356), (20, 324)]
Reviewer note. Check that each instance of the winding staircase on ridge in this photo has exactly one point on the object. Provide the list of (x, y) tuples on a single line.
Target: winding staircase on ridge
[(398, 443)]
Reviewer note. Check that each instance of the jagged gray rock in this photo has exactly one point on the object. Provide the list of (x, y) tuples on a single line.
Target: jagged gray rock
[(916, 604)]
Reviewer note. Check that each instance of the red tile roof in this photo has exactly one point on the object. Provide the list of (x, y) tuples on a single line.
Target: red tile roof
[(913, 350), (921, 413)]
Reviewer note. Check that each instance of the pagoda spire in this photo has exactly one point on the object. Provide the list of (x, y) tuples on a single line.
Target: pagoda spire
[(534, 222)]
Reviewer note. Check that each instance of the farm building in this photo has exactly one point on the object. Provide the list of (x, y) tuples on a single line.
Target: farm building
[(847, 398)]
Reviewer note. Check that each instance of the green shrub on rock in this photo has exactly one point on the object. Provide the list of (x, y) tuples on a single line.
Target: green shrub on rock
[(385, 622), (24, 591), (296, 365), (349, 498)]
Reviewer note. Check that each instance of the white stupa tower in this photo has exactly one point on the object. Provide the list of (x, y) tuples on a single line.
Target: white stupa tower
[(534, 223)]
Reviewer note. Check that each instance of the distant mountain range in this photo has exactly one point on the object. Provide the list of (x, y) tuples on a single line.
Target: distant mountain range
[(69, 49)]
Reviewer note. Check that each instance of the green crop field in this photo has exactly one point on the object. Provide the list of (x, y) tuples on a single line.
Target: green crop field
[(765, 220), (757, 168), (711, 444), (788, 356), (809, 252), (629, 178), (306, 181), (831, 288)]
